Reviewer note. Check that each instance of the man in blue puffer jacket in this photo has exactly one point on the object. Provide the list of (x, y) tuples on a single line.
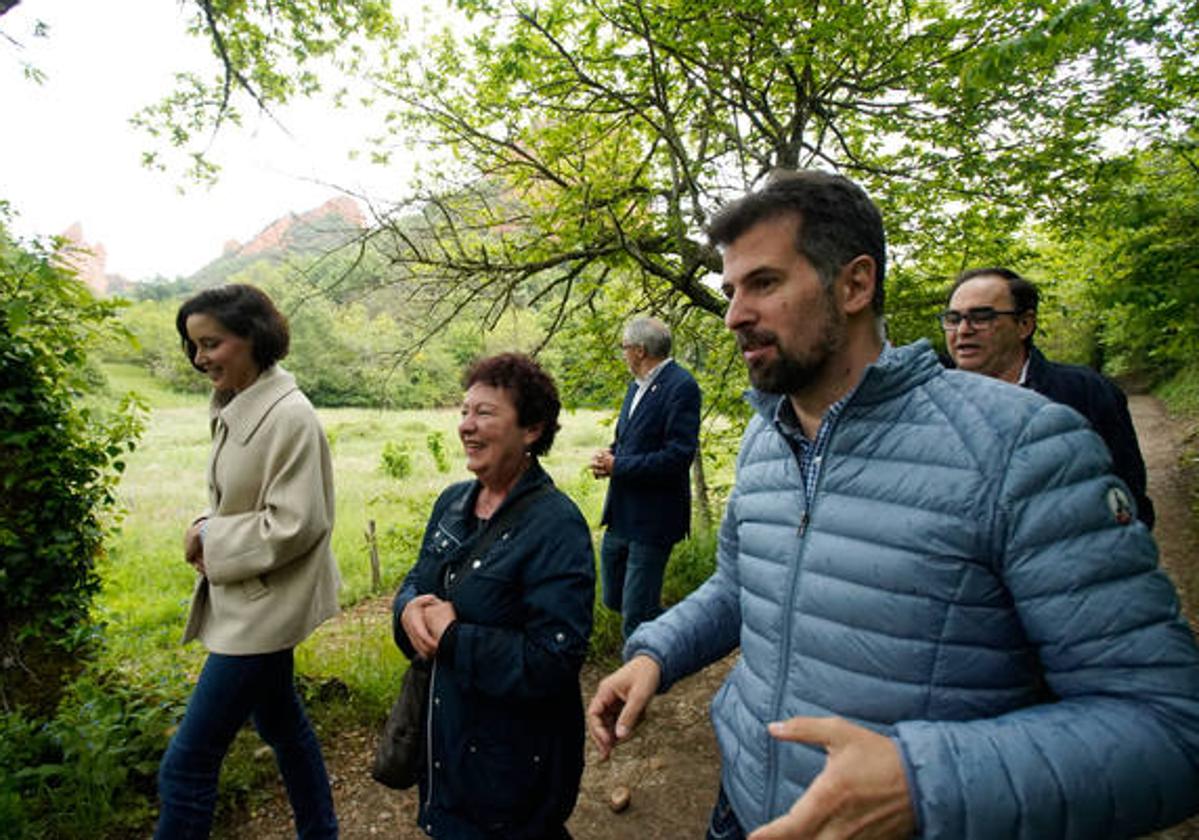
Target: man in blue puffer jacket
[(949, 626)]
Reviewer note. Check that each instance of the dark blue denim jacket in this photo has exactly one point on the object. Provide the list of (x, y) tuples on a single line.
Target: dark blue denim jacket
[(505, 739)]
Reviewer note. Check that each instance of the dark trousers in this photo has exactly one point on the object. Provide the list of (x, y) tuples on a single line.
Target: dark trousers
[(232, 689), (723, 824), (632, 574)]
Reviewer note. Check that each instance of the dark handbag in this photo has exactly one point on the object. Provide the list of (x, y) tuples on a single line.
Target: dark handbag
[(400, 755), (400, 752)]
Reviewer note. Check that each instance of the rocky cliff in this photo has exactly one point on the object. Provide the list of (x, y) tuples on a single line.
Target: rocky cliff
[(333, 219)]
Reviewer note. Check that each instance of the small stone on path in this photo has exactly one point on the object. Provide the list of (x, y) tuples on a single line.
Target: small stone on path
[(620, 799)]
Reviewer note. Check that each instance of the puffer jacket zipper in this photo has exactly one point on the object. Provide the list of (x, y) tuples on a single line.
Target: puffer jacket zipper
[(772, 762)]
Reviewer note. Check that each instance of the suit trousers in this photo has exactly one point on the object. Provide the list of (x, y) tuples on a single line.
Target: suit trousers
[(632, 574)]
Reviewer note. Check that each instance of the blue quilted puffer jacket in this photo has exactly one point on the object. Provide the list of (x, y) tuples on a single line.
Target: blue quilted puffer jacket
[(965, 582)]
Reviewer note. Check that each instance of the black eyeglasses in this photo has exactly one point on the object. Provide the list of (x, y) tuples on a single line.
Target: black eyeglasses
[(979, 317)]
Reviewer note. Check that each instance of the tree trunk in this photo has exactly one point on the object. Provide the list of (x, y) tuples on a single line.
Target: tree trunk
[(700, 484), (5, 5)]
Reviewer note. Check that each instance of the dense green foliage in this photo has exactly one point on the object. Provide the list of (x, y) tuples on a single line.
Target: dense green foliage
[(59, 460), (91, 766), (1139, 239)]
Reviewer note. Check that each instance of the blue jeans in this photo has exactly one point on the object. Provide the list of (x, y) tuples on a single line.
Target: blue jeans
[(723, 824), (230, 690), (632, 576)]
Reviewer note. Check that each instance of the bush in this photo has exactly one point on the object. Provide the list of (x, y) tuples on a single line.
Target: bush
[(396, 461), (436, 444), (90, 770), (59, 462)]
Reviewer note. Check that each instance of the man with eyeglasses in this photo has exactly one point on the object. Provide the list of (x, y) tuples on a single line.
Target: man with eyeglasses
[(648, 506), (944, 627), (989, 326)]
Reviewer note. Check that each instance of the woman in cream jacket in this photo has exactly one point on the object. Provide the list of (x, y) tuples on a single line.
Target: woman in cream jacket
[(266, 576)]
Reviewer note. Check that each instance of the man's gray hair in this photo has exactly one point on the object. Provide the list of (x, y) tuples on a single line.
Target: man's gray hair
[(649, 333)]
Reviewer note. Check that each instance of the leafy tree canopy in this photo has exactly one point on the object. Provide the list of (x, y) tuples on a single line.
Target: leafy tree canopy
[(568, 140)]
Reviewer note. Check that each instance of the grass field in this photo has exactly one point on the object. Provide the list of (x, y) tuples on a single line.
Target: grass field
[(147, 586)]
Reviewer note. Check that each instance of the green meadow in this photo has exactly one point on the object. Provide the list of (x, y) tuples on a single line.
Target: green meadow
[(147, 585)]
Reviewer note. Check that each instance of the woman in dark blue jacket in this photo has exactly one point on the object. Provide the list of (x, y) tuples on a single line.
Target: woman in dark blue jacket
[(506, 632)]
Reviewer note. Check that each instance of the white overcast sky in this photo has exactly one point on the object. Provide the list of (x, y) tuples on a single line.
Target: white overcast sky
[(68, 153)]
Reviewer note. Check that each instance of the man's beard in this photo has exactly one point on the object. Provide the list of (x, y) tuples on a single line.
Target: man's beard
[(790, 373)]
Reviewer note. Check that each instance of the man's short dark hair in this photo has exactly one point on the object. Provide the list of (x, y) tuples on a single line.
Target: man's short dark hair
[(1025, 297), (246, 312), (838, 221), (532, 390)]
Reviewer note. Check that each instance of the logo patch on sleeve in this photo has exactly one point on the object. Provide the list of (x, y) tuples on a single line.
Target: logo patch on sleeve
[(1120, 505)]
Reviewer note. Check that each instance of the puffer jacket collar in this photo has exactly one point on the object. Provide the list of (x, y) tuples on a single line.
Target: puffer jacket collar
[(895, 372)]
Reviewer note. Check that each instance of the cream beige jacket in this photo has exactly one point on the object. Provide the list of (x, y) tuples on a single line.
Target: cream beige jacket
[(270, 574)]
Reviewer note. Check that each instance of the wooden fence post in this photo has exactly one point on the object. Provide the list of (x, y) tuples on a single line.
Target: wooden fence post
[(376, 575)]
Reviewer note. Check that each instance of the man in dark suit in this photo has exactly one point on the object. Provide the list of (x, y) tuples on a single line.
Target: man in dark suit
[(989, 326), (648, 507)]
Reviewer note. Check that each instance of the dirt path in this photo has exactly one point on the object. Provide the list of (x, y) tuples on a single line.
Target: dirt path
[(671, 765)]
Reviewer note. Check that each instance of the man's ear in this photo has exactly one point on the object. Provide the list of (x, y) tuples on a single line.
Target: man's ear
[(856, 284), (1027, 324)]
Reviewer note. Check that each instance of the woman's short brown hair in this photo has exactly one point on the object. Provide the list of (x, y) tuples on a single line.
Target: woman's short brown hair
[(532, 390)]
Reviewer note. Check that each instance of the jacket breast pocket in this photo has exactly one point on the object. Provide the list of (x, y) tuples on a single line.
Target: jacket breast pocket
[(489, 590)]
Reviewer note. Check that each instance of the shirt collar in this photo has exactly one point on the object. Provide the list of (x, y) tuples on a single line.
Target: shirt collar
[(653, 374), (784, 412)]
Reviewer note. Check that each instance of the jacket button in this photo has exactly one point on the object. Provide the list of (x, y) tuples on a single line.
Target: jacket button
[(436, 701), (473, 748), (536, 759), (436, 765), (560, 636), (476, 564)]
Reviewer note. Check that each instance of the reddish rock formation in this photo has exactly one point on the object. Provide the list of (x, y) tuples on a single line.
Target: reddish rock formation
[(86, 259), (275, 236)]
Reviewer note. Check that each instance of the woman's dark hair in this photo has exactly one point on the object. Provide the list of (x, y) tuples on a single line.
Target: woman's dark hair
[(246, 312), (533, 393)]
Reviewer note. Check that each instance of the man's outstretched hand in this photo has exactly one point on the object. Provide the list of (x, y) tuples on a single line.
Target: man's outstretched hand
[(620, 701), (861, 793)]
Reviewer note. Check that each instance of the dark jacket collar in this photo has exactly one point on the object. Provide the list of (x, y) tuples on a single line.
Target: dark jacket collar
[(532, 478), (1038, 369)]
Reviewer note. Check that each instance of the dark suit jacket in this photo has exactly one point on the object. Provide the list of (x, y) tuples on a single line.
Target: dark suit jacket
[(649, 493), (1098, 399)]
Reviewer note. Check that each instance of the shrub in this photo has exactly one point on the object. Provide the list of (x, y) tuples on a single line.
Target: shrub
[(436, 443), (89, 770), (59, 462), (396, 461)]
